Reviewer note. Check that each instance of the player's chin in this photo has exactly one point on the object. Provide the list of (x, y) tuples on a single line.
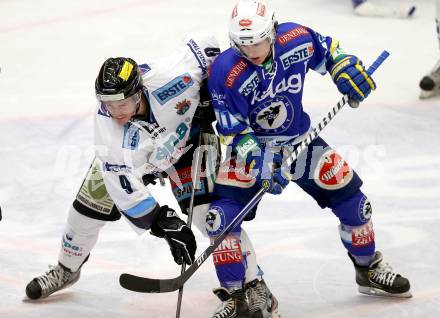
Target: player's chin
[(122, 120), (256, 60)]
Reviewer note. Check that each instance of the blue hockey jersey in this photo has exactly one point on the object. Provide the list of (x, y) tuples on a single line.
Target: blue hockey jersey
[(249, 99)]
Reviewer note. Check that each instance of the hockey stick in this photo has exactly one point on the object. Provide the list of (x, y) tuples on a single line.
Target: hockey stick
[(195, 184), (154, 285)]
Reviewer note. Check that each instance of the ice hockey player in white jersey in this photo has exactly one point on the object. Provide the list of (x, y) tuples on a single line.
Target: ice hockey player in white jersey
[(146, 127), (374, 9), (430, 84)]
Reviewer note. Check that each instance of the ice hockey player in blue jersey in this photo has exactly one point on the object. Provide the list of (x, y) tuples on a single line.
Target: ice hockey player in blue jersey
[(369, 9), (256, 88)]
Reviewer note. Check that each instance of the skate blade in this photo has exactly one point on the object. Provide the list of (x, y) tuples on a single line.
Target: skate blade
[(381, 293), (429, 94), (274, 305), (266, 314), (275, 314)]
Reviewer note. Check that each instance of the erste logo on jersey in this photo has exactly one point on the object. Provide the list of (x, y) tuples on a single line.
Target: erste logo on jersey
[(332, 171), (173, 88), (298, 54), (235, 72), (250, 84), (273, 116), (131, 137), (292, 35)]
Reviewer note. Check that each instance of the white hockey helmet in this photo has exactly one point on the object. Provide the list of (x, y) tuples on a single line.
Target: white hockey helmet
[(252, 21)]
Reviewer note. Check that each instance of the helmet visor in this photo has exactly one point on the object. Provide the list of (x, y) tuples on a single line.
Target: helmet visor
[(256, 53), (109, 98), (121, 107)]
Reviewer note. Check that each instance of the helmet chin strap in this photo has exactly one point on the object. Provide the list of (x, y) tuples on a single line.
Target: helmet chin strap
[(142, 99), (267, 64), (138, 106), (138, 103)]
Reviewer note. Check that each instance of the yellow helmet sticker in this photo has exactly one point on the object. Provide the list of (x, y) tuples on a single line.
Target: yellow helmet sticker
[(126, 71)]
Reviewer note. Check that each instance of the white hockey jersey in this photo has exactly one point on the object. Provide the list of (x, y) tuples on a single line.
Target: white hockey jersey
[(152, 144)]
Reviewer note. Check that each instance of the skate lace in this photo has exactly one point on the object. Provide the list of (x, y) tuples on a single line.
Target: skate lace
[(227, 308), (53, 278), (257, 297), (383, 274)]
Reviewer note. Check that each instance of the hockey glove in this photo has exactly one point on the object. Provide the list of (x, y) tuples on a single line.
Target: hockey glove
[(273, 177), (351, 78), (150, 178), (204, 114), (179, 236)]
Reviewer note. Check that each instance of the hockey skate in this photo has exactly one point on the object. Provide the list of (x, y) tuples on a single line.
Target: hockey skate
[(378, 279), (430, 84), (56, 278), (262, 304), (234, 304)]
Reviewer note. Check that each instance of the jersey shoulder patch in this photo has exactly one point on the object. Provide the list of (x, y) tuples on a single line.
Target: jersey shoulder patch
[(204, 49), (289, 32)]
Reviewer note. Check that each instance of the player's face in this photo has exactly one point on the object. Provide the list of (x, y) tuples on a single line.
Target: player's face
[(257, 53), (122, 110)]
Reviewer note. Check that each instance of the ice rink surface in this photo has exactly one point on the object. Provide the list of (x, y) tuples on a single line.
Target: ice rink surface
[(50, 53)]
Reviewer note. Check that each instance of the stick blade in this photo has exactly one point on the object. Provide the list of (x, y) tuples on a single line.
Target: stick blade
[(148, 285)]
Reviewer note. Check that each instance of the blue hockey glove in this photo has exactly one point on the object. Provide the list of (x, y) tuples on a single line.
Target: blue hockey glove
[(273, 177), (265, 166), (275, 183), (351, 78)]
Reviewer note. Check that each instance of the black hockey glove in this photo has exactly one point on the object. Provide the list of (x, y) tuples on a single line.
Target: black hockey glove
[(151, 178), (204, 114), (179, 236)]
